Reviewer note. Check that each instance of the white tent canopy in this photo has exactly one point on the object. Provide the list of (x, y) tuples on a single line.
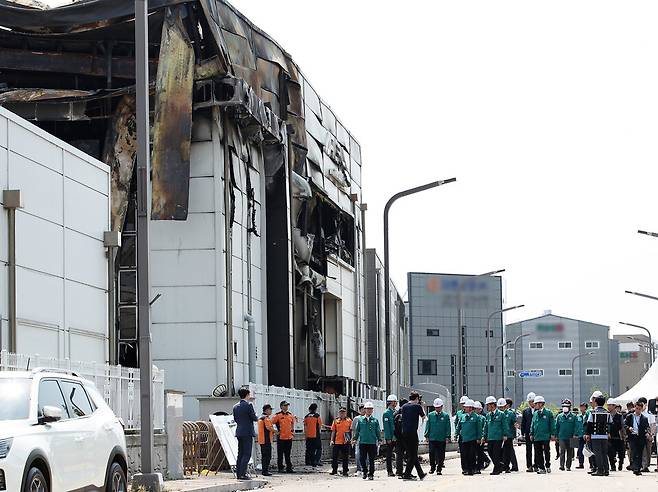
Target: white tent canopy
[(647, 387)]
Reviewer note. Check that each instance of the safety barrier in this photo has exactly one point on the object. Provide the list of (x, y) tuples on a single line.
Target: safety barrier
[(118, 385), (202, 451)]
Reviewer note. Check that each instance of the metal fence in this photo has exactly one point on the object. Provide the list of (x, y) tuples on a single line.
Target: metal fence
[(118, 385), (300, 400)]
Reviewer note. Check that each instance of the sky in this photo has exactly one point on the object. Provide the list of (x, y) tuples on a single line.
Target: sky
[(545, 112)]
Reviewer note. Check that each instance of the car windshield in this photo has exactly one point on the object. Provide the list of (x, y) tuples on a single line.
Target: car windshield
[(14, 399)]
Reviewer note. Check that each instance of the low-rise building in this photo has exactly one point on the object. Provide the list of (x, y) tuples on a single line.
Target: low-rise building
[(634, 359), (560, 358)]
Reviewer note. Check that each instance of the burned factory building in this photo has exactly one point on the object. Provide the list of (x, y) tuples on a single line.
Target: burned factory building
[(257, 219)]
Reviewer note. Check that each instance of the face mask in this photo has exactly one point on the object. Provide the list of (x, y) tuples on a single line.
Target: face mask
[(565, 409)]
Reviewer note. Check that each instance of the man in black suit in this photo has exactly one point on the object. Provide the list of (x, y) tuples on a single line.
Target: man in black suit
[(244, 416), (526, 422), (637, 430)]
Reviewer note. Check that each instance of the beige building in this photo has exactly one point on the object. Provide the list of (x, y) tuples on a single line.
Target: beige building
[(634, 359)]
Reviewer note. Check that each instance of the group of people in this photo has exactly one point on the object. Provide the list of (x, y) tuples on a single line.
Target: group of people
[(603, 431)]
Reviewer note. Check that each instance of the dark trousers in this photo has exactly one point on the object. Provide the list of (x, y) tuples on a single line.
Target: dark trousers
[(399, 456), (390, 447), (637, 448), (482, 461), (265, 457), (528, 453), (244, 455), (616, 450), (437, 454), (566, 453), (509, 456), (283, 449), (368, 454), (495, 453), (600, 449), (411, 447), (341, 451), (581, 455), (469, 456), (542, 454), (313, 451)]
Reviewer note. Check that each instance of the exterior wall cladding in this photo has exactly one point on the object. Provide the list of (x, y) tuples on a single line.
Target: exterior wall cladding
[(434, 301), (634, 360), (376, 336), (550, 344)]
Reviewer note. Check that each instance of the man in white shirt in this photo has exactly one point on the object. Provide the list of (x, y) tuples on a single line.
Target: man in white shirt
[(646, 455)]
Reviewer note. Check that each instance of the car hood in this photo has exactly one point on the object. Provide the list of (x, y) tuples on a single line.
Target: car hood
[(13, 428)]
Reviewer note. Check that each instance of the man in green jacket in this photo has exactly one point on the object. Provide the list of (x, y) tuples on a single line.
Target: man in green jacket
[(437, 433), (509, 456), (469, 430), (493, 433), (368, 434), (458, 415), (542, 432), (389, 431), (565, 429), (580, 434)]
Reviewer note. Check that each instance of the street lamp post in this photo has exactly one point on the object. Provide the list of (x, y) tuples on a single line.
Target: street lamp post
[(652, 351), (573, 374), (488, 337), (387, 272), (516, 359), (504, 344)]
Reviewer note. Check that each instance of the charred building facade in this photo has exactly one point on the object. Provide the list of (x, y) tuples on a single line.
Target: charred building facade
[(257, 220)]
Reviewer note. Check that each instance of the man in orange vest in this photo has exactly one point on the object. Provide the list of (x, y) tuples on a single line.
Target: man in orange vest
[(341, 431), (265, 437), (312, 426), (285, 425)]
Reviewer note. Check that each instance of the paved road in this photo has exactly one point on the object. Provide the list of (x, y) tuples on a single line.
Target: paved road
[(452, 480)]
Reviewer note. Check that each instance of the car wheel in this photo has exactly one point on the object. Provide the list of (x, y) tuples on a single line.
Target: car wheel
[(35, 482), (116, 479)]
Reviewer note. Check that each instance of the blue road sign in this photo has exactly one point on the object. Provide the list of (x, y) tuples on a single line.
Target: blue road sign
[(534, 373)]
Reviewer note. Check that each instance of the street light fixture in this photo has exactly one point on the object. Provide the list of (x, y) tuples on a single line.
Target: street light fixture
[(646, 330), (573, 374), (498, 347), (515, 361), (647, 233), (488, 337), (387, 272)]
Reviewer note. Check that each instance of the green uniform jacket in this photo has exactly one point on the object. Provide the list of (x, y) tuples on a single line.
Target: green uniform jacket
[(579, 427), (469, 427), (437, 427), (510, 428), (543, 425), (494, 426), (565, 427), (389, 424), (367, 430)]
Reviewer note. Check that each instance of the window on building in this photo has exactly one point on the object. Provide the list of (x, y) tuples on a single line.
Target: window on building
[(564, 345), (536, 345), (489, 369), (434, 332), (592, 344), (426, 367), (592, 372), (488, 333), (510, 373), (564, 372)]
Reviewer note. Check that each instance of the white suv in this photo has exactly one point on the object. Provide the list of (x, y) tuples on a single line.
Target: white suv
[(57, 434)]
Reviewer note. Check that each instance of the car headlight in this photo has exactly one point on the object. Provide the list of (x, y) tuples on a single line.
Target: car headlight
[(5, 446)]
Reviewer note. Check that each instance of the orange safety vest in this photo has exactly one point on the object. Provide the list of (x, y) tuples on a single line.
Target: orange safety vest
[(265, 430), (342, 428), (312, 425), (285, 423)]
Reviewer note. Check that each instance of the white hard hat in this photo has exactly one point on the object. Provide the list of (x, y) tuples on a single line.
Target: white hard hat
[(438, 403), (612, 401), (477, 404), (368, 404), (531, 397), (463, 400), (469, 403), (490, 399), (391, 398), (539, 399), (501, 402), (596, 394)]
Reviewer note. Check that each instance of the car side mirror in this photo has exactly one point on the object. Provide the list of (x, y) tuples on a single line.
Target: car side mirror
[(51, 414)]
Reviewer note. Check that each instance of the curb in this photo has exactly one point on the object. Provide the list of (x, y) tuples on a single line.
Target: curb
[(228, 487)]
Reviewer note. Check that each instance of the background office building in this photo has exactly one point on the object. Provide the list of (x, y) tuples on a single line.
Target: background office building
[(550, 346), (434, 327), (634, 359)]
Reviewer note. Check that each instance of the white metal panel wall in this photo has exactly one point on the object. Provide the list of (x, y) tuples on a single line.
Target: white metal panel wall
[(61, 262)]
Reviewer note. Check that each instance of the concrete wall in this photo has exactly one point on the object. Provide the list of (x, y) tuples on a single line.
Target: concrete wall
[(61, 261), (634, 360), (189, 270)]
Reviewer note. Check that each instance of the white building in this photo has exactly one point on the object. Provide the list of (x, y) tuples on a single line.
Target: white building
[(60, 292)]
